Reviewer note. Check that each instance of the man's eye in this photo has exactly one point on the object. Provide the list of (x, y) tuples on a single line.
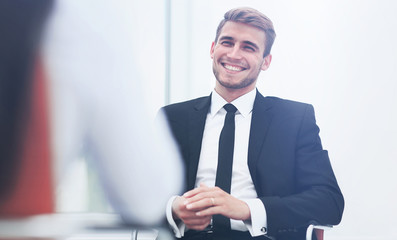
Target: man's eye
[(248, 48), (227, 43)]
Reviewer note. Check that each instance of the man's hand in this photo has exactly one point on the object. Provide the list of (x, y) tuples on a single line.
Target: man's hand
[(191, 219), (207, 201)]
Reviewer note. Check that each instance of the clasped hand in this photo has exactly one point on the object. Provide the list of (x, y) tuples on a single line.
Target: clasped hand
[(196, 207)]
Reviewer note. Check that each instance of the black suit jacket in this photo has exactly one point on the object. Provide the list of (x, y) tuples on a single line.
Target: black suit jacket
[(291, 171)]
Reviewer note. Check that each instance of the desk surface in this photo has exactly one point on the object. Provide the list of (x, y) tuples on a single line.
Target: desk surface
[(86, 226)]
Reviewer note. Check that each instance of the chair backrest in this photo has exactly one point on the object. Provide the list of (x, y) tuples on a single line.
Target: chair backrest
[(318, 231), (319, 234)]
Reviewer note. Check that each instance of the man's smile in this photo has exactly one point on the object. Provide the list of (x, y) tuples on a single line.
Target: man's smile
[(233, 68)]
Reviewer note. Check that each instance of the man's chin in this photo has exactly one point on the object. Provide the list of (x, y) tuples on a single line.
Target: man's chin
[(238, 85)]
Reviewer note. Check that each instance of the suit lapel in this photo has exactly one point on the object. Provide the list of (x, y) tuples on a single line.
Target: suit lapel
[(197, 120), (261, 119)]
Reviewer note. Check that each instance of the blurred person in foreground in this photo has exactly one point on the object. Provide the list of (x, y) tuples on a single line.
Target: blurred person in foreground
[(21, 26), (281, 179), (97, 109)]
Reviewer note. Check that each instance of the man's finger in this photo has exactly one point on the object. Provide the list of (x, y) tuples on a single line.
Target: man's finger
[(193, 192), (210, 211), (198, 220), (200, 204)]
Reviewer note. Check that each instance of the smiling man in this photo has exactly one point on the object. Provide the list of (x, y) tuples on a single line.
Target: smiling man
[(255, 166), (238, 57)]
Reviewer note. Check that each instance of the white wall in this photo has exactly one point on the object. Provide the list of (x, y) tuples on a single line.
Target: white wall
[(340, 56)]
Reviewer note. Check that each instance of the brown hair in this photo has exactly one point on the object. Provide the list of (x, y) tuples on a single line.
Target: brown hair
[(253, 18)]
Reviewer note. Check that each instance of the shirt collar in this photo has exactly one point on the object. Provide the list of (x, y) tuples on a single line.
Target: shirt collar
[(244, 104)]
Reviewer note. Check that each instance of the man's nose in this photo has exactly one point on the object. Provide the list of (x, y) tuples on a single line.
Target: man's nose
[(234, 52)]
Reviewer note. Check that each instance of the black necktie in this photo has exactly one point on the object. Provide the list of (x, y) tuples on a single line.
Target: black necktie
[(225, 162)]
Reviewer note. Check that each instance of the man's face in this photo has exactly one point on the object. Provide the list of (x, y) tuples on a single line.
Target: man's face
[(238, 57)]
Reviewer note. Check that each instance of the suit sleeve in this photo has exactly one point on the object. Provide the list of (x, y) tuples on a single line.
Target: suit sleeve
[(316, 196)]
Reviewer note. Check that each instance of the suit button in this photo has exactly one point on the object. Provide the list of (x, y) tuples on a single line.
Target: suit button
[(264, 230)]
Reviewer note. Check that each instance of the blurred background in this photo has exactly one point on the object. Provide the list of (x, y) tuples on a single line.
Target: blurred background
[(340, 56)]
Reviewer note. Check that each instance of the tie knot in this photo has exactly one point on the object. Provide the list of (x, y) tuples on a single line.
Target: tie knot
[(230, 108)]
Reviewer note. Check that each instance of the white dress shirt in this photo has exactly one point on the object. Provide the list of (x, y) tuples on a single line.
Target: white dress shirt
[(242, 186)]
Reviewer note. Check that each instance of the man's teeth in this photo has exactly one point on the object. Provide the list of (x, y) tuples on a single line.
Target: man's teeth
[(233, 68)]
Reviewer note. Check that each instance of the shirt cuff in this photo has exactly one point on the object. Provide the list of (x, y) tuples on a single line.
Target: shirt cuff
[(178, 229), (257, 225)]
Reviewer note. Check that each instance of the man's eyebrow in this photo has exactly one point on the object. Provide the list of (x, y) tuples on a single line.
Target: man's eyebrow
[(245, 42), (225, 38), (251, 44)]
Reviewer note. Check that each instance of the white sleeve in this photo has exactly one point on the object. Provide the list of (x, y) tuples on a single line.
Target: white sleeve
[(178, 229), (257, 225)]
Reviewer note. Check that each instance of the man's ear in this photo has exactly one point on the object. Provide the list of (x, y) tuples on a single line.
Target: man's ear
[(266, 62), (212, 50)]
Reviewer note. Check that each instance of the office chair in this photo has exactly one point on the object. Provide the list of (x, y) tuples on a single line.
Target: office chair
[(318, 230)]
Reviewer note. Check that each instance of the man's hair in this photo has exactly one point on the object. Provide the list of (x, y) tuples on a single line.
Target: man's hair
[(253, 18)]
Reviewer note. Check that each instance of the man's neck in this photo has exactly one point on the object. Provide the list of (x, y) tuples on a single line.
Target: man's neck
[(231, 94)]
